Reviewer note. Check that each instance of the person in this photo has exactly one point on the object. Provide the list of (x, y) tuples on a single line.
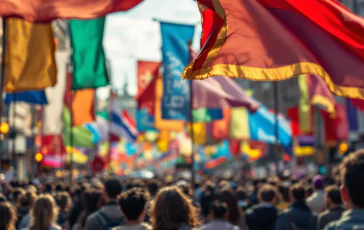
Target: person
[(76, 210), (235, 213), (242, 196), (206, 198), (153, 187), (173, 210), (219, 214), (64, 202), (263, 216), (334, 205), (91, 202), (43, 214), (133, 204), (316, 201), (284, 192), (298, 216), (7, 216), (109, 215), (352, 190), (25, 203)]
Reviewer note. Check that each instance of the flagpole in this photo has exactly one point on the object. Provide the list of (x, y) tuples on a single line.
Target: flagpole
[(193, 176), (2, 79), (13, 158), (110, 118), (71, 135), (276, 124)]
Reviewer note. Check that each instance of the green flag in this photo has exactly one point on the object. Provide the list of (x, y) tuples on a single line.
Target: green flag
[(206, 115), (82, 137), (88, 56)]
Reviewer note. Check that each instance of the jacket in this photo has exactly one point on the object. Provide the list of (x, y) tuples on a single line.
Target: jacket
[(350, 220), (298, 216), (316, 202), (142, 226), (262, 217), (110, 210), (219, 225), (329, 216), (53, 227)]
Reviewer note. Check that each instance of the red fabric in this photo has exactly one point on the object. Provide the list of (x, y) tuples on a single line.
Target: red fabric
[(51, 145), (337, 128), (358, 103), (48, 10), (220, 128), (293, 115), (234, 147), (213, 163), (146, 72)]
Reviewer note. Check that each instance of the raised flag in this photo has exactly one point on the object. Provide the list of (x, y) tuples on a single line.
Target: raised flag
[(175, 55), (37, 97), (352, 113), (336, 128), (220, 129), (145, 121), (239, 128), (52, 121), (46, 11), (122, 124), (320, 95), (88, 55), (147, 70), (314, 42), (29, 56), (304, 105)]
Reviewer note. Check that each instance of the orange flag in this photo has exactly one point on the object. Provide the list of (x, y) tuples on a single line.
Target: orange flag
[(220, 128), (279, 39)]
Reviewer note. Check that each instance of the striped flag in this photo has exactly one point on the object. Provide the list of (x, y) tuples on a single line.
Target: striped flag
[(123, 124)]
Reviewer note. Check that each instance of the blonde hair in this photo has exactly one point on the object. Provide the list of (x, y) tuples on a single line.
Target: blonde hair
[(43, 213), (7, 216)]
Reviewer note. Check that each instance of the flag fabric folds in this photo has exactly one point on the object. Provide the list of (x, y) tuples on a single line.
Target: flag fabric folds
[(46, 11), (29, 56), (37, 97), (52, 112), (175, 55), (314, 42), (147, 70), (320, 94), (239, 128), (304, 105), (83, 106), (122, 124), (88, 56)]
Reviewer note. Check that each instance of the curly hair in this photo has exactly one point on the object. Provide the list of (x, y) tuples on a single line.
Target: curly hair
[(171, 208)]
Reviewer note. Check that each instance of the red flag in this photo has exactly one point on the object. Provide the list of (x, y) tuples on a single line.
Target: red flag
[(48, 10), (146, 72), (320, 94), (280, 39), (336, 128), (358, 103)]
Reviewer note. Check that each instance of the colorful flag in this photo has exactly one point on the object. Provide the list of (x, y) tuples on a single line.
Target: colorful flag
[(314, 42), (206, 115), (239, 128), (176, 55), (29, 60), (352, 113), (145, 121), (320, 94), (88, 56), (46, 11), (147, 70), (199, 133), (220, 129), (304, 105), (37, 97), (53, 121), (122, 124), (336, 128)]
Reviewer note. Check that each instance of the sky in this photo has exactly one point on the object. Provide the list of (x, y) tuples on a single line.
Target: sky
[(135, 35)]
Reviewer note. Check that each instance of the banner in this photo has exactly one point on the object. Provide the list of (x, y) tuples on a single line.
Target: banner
[(37, 97), (176, 56), (145, 121), (147, 70)]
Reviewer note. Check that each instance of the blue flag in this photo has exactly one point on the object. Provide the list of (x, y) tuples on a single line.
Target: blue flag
[(32, 97), (352, 115), (145, 121), (261, 126), (176, 56)]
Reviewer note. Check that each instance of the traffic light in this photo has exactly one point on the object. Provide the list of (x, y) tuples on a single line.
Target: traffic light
[(38, 157)]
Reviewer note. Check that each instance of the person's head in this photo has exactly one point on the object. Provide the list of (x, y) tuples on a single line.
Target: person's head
[(171, 208), (17, 192), (318, 182), (268, 194), (241, 194), (91, 200), (43, 213), (31, 188), (309, 191), (284, 191), (64, 202), (228, 196), (133, 204), (352, 174), (3, 198), (333, 196), (153, 187), (207, 197), (219, 210), (112, 189), (297, 192), (27, 199), (185, 188), (7, 216)]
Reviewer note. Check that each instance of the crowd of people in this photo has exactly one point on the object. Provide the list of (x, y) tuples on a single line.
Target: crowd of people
[(313, 203)]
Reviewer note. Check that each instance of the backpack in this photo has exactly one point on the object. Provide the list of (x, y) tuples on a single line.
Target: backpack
[(107, 224)]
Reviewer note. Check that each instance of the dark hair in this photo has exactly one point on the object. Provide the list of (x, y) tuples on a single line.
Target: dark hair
[(7, 216), (91, 203), (207, 197), (171, 208), (267, 193), (17, 192), (64, 201), (113, 188), (3, 198), (228, 196), (153, 187), (284, 191), (298, 192), (352, 173), (241, 193), (27, 199), (333, 192), (219, 209), (133, 202)]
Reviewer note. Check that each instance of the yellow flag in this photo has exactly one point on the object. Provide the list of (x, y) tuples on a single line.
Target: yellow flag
[(239, 124), (304, 105), (159, 123), (199, 133), (30, 56)]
